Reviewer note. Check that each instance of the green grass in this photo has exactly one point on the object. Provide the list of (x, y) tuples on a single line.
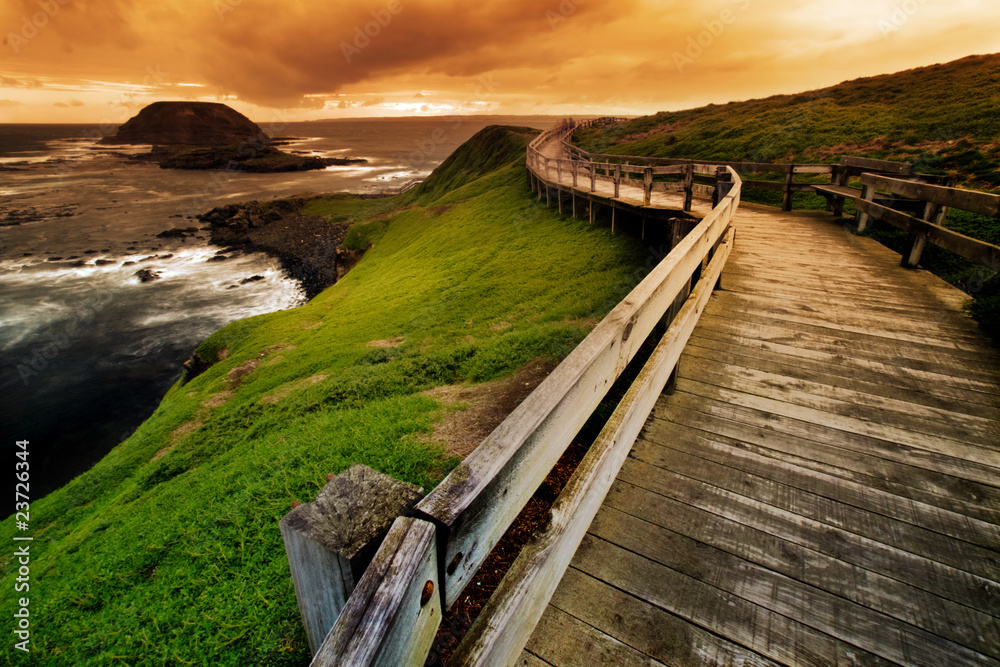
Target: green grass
[(942, 119), (179, 560)]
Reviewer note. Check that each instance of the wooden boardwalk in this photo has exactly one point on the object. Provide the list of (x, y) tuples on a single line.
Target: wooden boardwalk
[(822, 488)]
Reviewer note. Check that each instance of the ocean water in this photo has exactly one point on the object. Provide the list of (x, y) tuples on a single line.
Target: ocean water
[(86, 349)]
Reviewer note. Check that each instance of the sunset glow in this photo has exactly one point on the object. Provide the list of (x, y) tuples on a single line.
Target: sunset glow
[(99, 61)]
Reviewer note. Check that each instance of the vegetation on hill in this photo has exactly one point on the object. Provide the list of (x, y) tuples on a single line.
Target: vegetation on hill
[(168, 550), (943, 119)]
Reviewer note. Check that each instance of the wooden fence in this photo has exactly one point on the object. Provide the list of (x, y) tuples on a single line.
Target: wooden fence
[(429, 557), (936, 202)]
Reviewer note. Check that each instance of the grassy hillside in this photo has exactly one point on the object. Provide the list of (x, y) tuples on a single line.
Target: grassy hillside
[(168, 550), (943, 119)]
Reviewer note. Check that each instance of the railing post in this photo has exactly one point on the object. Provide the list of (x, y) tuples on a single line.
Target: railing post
[(786, 205), (618, 178), (868, 194), (330, 541), (688, 186), (558, 171), (575, 164), (723, 184), (394, 614), (593, 177), (647, 186), (917, 242)]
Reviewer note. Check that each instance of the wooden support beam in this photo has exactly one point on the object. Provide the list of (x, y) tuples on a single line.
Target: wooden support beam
[(330, 541), (786, 203), (618, 178), (647, 186), (913, 250), (688, 183), (593, 177), (867, 193)]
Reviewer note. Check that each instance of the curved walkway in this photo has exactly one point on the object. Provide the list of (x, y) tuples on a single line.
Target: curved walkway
[(822, 488)]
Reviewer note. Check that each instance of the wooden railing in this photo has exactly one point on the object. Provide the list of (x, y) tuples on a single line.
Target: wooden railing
[(937, 200), (429, 557)]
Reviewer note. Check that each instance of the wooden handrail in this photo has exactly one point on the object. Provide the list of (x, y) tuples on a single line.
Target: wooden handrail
[(938, 199), (475, 504), (505, 624)]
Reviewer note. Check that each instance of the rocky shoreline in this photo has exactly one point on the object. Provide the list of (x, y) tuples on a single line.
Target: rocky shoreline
[(308, 247), (255, 158)]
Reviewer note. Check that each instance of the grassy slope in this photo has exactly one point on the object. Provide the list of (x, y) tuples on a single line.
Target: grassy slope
[(943, 119), (179, 559)]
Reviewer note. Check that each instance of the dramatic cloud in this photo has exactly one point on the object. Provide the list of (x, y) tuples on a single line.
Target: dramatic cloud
[(307, 57)]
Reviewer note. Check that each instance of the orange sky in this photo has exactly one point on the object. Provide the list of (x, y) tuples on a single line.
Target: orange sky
[(100, 61)]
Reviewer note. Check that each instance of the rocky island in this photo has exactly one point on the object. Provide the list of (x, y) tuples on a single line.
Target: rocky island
[(210, 135)]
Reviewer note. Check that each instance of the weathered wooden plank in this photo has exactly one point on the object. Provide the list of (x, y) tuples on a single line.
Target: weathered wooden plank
[(393, 614), (482, 496), (959, 479), (973, 249), (924, 573), (730, 616), (503, 626), (881, 526), (844, 319), (653, 631), (531, 660), (948, 305), (833, 485), (917, 484), (890, 353), (846, 402), (823, 419), (761, 328), (967, 200), (864, 387), (904, 369), (854, 604), (569, 642), (901, 168), (922, 311)]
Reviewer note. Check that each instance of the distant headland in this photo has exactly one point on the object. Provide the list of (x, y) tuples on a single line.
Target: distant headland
[(210, 135)]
